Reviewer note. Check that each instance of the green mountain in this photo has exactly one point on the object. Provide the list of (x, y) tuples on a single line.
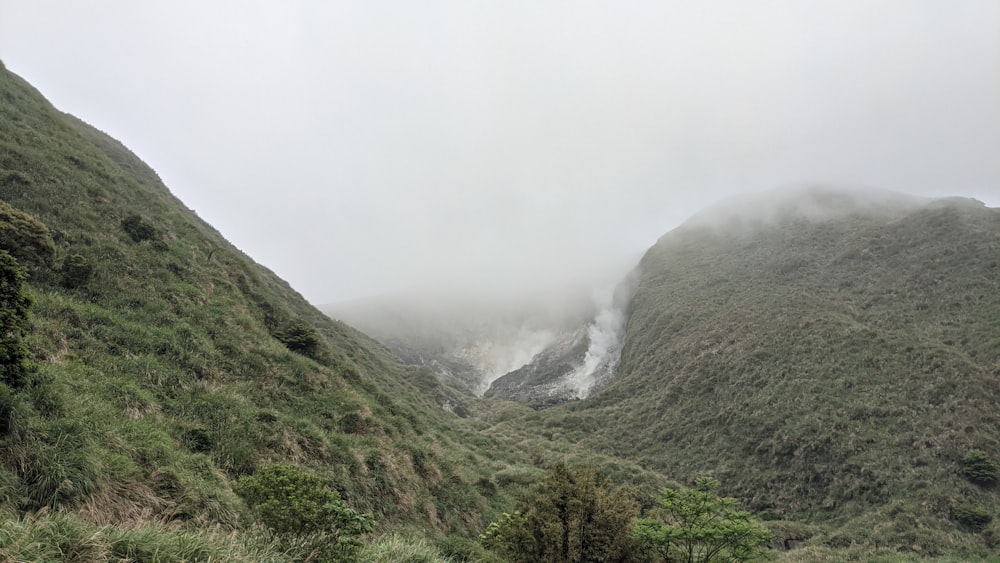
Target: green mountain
[(168, 365), (830, 357)]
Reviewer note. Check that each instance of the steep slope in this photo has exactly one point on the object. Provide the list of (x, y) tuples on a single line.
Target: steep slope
[(169, 363), (828, 356)]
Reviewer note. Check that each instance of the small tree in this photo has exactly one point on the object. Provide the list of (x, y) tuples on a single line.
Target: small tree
[(980, 468), (295, 503), (696, 525), (570, 516)]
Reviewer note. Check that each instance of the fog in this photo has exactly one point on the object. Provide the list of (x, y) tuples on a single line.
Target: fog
[(358, 148)]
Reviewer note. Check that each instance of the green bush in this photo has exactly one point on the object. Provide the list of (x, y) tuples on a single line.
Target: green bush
[(299, 337), (14, 303), (972, 518), (138, 229), (24, 236), (293, 502), (980, 468), (76, 271)]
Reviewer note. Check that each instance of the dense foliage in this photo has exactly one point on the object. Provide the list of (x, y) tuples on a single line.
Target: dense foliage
[(138, 229), (294, 502), (570, 516), (299, 337), (25, 237), (14, 303), (980, 468), (695, 525)]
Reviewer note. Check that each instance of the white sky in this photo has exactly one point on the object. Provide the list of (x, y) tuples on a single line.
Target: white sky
[(361, 147)]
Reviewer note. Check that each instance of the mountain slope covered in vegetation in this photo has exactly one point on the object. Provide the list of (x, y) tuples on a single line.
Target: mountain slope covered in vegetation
[(168, 365), (828, 356)]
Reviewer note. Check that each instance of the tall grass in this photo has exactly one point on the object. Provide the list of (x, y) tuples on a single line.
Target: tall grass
[(44, 537)]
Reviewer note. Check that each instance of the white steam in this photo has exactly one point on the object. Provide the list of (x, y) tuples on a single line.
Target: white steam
[(495, 357), (604, 334)]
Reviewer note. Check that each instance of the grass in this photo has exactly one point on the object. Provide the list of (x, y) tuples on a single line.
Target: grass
[(46, 537)]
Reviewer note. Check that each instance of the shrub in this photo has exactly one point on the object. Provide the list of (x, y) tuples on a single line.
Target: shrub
[(76, 271), (980, 468), (138, 229), (299, 337), (14, 303), (972, 518), (293, 502), (24, 236)]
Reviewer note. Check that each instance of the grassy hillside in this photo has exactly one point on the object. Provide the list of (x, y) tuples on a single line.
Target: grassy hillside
[(169, 364), (830, 367)]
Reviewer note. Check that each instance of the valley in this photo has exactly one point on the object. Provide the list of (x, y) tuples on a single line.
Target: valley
[(827, 357)]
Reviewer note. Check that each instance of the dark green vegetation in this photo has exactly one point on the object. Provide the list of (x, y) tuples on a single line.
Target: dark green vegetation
[(831, 370), (14, 304), (980, 468), (571, 515), (299, 505)]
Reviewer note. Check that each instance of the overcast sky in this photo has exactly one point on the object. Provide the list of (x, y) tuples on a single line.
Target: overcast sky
[(361, 147)]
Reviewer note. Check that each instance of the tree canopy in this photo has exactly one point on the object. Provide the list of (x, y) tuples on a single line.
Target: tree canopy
[(696, 525), (572, 515)]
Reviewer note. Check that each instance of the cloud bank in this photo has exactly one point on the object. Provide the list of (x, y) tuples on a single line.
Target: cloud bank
[(362, 147)]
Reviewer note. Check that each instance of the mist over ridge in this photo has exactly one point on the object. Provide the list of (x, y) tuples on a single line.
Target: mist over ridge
[(476, 335), (518, 140), (544, 343), (808, 201)]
